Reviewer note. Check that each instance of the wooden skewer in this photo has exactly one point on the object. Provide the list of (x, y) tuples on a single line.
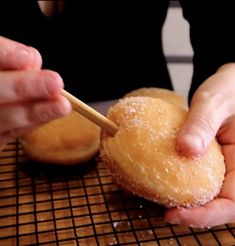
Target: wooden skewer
[(91, 114)]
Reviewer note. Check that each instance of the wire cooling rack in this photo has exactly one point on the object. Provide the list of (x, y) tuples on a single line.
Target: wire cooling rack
[(49, 205)]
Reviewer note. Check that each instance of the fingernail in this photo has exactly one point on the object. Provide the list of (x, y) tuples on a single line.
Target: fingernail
[(53, 84), (61, 107), (194, 140), (22, 56), (189, 144)]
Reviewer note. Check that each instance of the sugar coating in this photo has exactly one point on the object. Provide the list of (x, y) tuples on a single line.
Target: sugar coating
[(143, 159)]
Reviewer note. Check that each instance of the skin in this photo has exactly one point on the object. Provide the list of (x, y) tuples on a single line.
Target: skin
[(29, 96), (212, 114)]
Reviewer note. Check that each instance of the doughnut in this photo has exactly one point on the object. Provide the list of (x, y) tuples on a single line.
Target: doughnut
[(143, 159), (69, 140), (164, 94)]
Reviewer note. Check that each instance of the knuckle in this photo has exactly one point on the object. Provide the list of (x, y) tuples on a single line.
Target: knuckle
[(43, 113), (21, 88), (44, 117), (215, 99), (204, 122)]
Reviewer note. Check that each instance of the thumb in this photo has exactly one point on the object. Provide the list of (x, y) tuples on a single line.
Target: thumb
[(204, 119)]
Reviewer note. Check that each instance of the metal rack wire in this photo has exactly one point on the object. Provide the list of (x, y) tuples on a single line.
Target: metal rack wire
[(49, 205)]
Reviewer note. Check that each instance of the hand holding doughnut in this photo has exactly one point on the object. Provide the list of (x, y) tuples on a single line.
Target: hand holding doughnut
[(211, 114)]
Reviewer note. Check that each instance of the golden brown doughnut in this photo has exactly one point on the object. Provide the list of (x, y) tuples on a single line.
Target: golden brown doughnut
[(69, 140), (143, 159), (164, 94)]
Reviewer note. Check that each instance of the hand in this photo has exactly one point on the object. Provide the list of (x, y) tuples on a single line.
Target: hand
[(29, 96), (212, 114)]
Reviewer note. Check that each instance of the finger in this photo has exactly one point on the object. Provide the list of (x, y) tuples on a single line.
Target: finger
[(219, 211), (211, 105), (226, 134), (24, 85), (216, 212), (229, 155), (22, 116), (15, 55), (201, 125), (227, 190)]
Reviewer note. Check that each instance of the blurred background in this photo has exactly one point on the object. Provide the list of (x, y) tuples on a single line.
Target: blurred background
[(177, 49)]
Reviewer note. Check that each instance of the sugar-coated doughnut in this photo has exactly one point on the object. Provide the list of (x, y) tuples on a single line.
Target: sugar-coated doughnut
[(164, 94), (143, 159), (69, 140)]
